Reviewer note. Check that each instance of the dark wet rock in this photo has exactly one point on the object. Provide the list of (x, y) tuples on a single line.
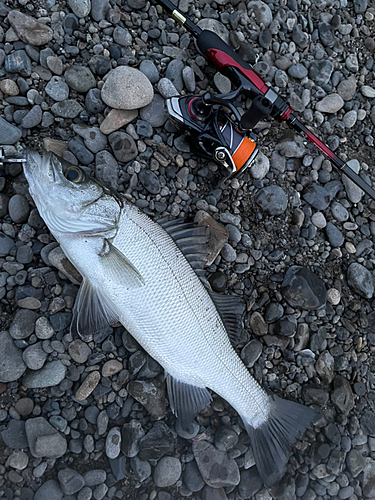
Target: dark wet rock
[(158, 442), (342, 396), (70, 481), (192, 477), (355, 462), (51, 374), (141, 469), (274, 312), (317, 196), (131, 434), (93, 101), (334, 235), (44, 440), (150, 393), (287, 326), (216, 469), (225, 439), (83, 155), (149, 181), (251, 352), (360, 280), (368, 487), (302, 288), (321, 71), (12, 365), (50, 490), (368, 422), (18, 208), (118, 466), (99, 9), (14, 435), (325, 367), (23, 324), (79, 78), (218, 281), (123, 146), (155, 113), (9, 133), (272, 200)]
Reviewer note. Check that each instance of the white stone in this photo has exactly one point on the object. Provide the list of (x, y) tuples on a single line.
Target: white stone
[(333, 296), (330, 104), (263, 13), (368, 91), (354, 192), (350, 118), (319, 220), (259, 169), (127, 88)]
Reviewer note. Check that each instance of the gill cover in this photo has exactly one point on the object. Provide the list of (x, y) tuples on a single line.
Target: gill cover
[(79, 205)]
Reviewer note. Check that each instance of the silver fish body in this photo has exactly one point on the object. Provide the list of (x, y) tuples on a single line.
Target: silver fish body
[(134, 272)]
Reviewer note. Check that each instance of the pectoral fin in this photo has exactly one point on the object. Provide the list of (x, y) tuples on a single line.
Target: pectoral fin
[(92, 312), (186, 400), (116, 263)]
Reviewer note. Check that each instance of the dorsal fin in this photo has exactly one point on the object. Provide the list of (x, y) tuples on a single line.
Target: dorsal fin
[(190, 239), (231, 310)]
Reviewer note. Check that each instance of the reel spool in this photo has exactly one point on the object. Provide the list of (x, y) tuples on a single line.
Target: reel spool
[(214, 135)]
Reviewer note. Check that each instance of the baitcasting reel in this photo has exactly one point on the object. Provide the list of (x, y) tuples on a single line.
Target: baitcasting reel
[(214, 135)]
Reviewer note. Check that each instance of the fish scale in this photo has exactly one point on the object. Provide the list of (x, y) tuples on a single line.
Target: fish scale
[(134, 272)]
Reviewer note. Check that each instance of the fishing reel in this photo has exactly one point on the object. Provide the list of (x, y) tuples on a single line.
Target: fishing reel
[(214, 135)]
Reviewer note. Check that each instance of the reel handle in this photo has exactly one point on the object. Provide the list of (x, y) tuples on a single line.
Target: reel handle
[(225, 59)]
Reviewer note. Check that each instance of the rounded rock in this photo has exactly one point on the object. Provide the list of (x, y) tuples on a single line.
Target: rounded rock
[(167, 472), (79, 351), (272, 200), (361, 280), (113, 442), (88, 385), (18, 208), (111, 367), (127, 88), (330, 104), (11, 363), (80, 78)]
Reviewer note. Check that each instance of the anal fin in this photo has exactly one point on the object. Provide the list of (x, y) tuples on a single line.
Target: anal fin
[(231, 311), (186, 400)]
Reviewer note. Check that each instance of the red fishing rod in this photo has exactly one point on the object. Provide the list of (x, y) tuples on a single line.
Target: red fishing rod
[(217, 136)]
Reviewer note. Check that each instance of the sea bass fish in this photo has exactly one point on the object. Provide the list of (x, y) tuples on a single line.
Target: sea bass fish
[(134, 272)]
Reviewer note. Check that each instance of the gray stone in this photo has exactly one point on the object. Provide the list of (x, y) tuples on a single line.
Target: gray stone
[(81, 8), (34, 356), (342, 396), (158, 442), (32, 118), (131, 434), (216, 469), (354, 192), (263, 13), (360, 280), (113, 443), (330, 104), (325, 367), (95, 477), (192, 477), (6, 245), (81, 153), (12, 366), (149, 69), (272, 200), (9, 133), (67, 109), (302, 288), (28, 29), (149, 181), (297, 71), (155, 113), (217, 27), (141, 469), (107, 169), (150, 393), (167, 472), (368, 422), (334, 235), (250, 483), (123, 146), (167, 89), (50, 490), (188, 77), (94, 140), (51, 374), (23, 324), (93, 101), (43, 439), (18, 62), (320, 71), (339, 212), (18, 208), (57, 89), (291, 148), (251, 352), (317, 196), (355, 462), (79, 78), (127, 88), (174, 73), (260, 167), (368, 485), (225, 439), (99, 9), (122, 36), (14, 435), (346, 89), (70, 481)]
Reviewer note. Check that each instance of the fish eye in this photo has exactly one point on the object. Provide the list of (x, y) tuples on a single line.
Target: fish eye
[(74, 174)]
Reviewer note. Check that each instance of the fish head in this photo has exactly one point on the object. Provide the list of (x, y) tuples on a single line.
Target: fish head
[(67, 198)]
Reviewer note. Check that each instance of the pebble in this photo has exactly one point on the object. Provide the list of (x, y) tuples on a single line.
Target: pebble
[(333, 296), (43, 439), (18, 62), (155, 113), (304, 289), (23, 324), (272, 199), (131, 433), (360, 280), (106, 169), (28, 29), (9, 87), (94, 139), (70, 481), (149, 69), (79, 78), (319, 220), (159, 441), (79, 351), (149, 181), (14, 435), (57, 89), (330, 104), (88, 386), (347, 88), (320, 71), (34, 356), (67, 109), (251, 352), (111, 367), (12, 365), (51, 374), (99, 9), (123, 146), (50, 490), (216, 469), (9, 133), (167, 472), (354, 193), (260, 167), (127, 88), (334, 235), (118, 118), (95, 477), (150, 393), (262, 12)]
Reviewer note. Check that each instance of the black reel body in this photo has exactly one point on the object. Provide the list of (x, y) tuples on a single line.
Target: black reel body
[(214, 134)]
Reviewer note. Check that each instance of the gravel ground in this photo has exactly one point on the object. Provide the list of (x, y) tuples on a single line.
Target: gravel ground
[(88, 80)]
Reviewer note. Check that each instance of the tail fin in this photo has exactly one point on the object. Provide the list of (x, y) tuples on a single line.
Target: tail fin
[(273, 440)]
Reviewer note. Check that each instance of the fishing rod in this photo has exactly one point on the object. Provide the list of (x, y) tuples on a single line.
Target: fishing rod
[(216, 135)]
